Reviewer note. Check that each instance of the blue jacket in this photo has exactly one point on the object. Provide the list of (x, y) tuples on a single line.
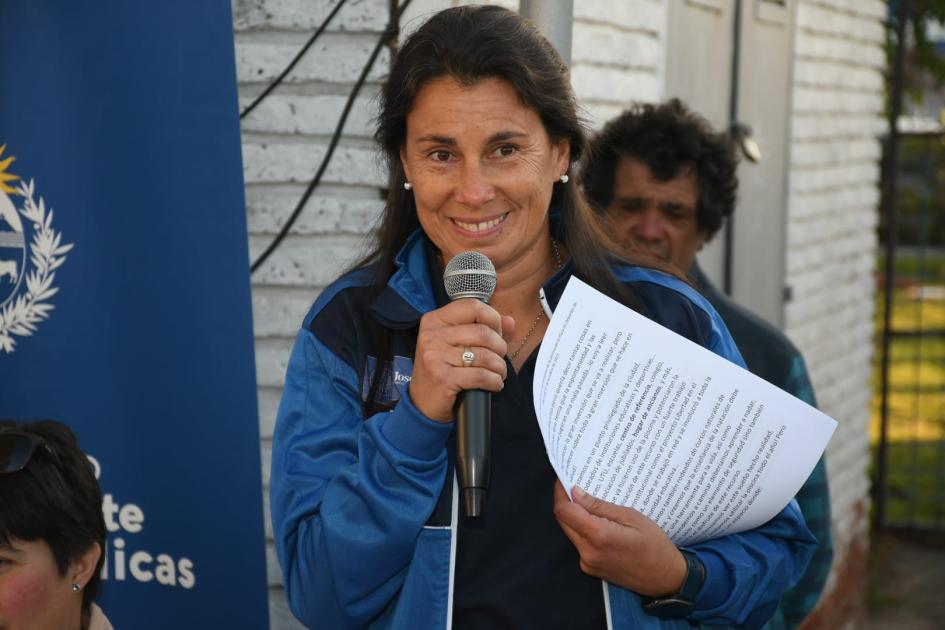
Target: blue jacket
[(362, 510), (771, 355)]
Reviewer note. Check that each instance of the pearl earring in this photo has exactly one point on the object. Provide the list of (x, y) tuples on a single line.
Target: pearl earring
[(564, 178), (76, 588), (407, 185)]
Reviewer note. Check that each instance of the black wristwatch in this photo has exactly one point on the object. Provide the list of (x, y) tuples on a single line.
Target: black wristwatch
[(679, 605)]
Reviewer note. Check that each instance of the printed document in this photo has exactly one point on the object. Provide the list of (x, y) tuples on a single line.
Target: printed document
[(640, 416)]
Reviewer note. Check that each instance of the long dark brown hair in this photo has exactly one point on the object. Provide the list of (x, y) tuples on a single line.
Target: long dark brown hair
[(469, 44)]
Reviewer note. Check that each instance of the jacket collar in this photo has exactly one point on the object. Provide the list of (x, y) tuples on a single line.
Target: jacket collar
[(410, 292), (555, 285)]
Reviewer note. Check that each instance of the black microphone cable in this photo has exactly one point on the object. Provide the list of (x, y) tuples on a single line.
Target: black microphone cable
[(298, 57), (392, 30)]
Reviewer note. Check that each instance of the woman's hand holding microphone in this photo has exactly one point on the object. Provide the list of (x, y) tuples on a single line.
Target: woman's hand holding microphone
[(442, 368)]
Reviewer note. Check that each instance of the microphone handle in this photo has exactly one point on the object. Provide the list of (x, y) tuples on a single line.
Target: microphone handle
[(473, 452)]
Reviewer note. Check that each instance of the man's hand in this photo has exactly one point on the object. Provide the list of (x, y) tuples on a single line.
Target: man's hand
[(619, 544)]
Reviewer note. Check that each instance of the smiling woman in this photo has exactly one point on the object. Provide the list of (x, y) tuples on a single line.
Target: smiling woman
[(52, 530), (480, 129), (482, 168)]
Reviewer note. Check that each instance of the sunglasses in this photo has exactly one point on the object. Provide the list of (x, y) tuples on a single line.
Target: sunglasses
[(16, 449)]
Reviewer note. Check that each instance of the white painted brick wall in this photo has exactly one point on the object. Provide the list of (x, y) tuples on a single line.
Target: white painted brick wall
[(284, 140), (831, 242), (617, 55)]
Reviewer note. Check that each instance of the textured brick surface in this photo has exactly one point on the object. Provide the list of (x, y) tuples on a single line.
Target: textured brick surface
[(618, 55), (306, 15), (309, 114), (831, 244), (284, 141), (605, 44), (278, 162), (331, 210), (336, 57), (626, 15)]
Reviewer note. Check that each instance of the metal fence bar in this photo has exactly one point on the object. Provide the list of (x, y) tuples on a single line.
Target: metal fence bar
[(911, 486), (890, 212)]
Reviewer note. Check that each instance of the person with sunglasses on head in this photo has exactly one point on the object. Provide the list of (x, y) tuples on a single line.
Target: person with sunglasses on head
[(52, 530)]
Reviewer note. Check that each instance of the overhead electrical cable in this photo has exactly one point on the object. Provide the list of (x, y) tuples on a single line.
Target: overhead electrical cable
[(275, 83), (389, 34)]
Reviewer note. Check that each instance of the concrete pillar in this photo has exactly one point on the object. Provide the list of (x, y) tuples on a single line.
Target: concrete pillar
[(554, 18)]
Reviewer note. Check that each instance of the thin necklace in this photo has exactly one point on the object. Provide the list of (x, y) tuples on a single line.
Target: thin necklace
[(541, 309)]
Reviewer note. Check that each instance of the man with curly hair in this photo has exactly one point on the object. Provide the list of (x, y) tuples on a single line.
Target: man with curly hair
[(666, 181)]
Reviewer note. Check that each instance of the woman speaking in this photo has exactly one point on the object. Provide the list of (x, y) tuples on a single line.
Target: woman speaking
[(479, 126)]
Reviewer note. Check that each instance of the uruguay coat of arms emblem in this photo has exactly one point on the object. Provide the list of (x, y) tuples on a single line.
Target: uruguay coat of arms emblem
[(30, 252)]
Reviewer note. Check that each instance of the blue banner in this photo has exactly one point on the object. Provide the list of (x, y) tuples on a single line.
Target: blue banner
[(124, 291)]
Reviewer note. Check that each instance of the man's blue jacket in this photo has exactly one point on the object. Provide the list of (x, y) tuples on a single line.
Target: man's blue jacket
[(363, 502)]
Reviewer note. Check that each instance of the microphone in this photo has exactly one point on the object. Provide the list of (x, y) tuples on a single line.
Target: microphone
[(472, 275)]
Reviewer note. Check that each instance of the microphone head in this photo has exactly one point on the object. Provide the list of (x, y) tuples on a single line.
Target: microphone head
[(470, 274)]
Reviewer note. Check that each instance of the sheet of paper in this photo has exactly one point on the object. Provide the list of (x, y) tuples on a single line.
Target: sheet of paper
[(640, 416)]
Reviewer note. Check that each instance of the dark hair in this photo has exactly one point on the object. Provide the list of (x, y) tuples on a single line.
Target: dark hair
[(469, 44), (54, 499), (668, 139)]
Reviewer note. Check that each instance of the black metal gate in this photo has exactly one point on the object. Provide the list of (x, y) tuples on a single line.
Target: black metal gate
[(909, 383)]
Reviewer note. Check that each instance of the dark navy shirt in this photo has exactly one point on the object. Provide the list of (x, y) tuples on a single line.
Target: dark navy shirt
[(515, 568)]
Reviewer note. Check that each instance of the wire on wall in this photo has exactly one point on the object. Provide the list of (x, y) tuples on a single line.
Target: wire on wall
[(389, 34), (275, 83)]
